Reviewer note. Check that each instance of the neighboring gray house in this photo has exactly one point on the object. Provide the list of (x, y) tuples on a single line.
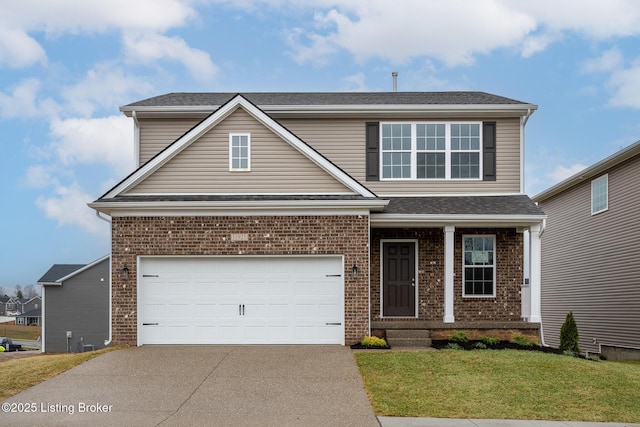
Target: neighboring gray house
[(30, 318), (31, 304), (590, 261), (75, 305)]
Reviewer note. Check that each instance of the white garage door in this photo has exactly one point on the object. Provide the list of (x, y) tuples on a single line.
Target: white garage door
[(241, 300)]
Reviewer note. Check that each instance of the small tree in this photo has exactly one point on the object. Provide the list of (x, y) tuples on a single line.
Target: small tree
[(569, 335)]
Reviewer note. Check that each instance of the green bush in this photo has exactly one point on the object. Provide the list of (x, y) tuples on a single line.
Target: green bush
[(374, 342), (453, 346), (490, 341), (459, 336), (569, 335), (523, 341), (480, 345)]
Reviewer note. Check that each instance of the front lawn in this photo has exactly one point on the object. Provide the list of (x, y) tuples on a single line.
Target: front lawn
[(20, 374), (502, 384)]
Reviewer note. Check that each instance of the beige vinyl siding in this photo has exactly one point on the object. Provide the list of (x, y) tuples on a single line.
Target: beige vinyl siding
[(590, 263), (157, 134), (276, 167), (343, 142)]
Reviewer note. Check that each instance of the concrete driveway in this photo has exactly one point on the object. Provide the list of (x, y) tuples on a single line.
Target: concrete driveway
[(202, 385)]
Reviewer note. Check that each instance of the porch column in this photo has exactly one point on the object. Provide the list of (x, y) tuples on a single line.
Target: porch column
[(448, 273), (535, 273)]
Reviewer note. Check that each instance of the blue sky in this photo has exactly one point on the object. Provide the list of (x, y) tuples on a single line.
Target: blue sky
[(66, 67)]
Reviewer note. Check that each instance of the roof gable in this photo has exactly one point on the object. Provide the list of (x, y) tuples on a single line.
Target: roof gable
[(58, 273), (213, 120), (276, 166)]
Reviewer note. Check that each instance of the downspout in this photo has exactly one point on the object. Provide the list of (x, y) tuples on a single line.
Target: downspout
[(108, 340), (524, 121), (136, 139), (543, 226)]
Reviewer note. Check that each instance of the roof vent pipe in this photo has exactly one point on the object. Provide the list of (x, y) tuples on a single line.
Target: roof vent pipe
[(394, 74)]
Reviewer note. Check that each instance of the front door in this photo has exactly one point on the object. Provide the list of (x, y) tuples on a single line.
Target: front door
[(398, 279)]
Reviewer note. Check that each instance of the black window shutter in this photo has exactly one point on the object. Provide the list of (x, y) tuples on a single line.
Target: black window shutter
[(373, 151), (489, 151)]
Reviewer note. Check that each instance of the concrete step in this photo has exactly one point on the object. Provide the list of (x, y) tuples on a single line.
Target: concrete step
[(408, 338), (407, 333)]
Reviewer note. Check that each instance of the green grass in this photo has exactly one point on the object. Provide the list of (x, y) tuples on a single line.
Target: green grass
[(502, 384), (20, 374)]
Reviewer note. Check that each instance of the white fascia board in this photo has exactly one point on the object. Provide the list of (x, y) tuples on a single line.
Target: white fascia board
[(408, 220), (206, 125), (49, 283), (80, 270), (234, 208), (509, 109)]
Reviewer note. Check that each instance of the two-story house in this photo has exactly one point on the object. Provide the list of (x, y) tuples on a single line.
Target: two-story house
[(320, 217)]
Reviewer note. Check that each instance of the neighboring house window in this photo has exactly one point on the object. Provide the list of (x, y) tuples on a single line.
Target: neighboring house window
[(479, 266), (600, 194), (239, 152), (431, 150)]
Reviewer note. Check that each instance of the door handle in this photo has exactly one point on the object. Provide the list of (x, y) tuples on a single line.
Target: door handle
[(413, 281), (241, 309)]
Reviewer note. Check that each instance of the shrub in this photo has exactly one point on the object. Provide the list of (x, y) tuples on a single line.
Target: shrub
[(523, 341), (374, 342), (453, 346), (459, 336), (480, 345), (569, 335), (490, 341)]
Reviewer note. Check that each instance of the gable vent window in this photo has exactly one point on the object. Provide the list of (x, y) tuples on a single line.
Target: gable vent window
[(239, 152), (600, 194), (444, 151)]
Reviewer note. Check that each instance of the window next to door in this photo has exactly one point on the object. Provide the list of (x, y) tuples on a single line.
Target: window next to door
[(479, 266)]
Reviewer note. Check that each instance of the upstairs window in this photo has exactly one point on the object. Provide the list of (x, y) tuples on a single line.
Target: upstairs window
[(431, 150), (600, 194), (239, 152)]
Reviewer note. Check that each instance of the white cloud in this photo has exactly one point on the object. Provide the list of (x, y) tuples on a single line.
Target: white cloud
[(23, 101), (81, 16), (18, 49), (355, 83), (453, 32), (103, 86), (380, 28), (69, 207), (150, 47), (107, 140), (610, 60), (624, 79), (560, 173), (41, 176)]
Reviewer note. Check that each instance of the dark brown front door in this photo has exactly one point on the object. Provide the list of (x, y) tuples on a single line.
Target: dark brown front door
[(398, 279)]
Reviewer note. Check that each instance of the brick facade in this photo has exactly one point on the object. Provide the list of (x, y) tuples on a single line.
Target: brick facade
[(268, 235), (506, 306)]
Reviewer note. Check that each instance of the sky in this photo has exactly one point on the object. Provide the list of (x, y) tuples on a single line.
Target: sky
[(66, 66)]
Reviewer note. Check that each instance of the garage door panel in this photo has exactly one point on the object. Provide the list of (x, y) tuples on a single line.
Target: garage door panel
[(235, 300)]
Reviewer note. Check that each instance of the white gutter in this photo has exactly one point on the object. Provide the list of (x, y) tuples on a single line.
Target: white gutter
[(399, 220), (523, 123), (108, 340)]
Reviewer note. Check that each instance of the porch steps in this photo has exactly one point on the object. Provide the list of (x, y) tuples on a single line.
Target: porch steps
[(408, 338)]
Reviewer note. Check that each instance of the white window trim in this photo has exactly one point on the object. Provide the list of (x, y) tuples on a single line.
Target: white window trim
[(495, 262), (448, 151), (593, 183), (248, 168)]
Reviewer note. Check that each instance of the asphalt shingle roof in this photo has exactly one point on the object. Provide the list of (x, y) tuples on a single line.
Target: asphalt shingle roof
[(58, 271), (464, 205), (181, 99)]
